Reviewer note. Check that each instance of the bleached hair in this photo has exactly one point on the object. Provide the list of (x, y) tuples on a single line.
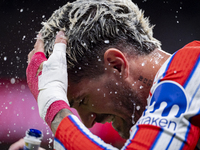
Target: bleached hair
[(91, 26)]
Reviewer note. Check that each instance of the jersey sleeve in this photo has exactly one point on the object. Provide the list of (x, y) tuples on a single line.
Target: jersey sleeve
[(72, 134)]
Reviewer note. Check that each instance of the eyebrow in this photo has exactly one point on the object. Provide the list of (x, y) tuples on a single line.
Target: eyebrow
[(71, 103)]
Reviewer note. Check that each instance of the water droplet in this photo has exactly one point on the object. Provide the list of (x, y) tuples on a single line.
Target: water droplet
[(133, 115), (23, 37), (79, 68), (33, 108), (47, 132), (12, 81), (141, 87), (115, 92), (22, 87), (92, 115), (5, 58), (21, 10), (106, 41), (156, 61), (50, 140), (98, 89), (143, 64), (117, 83), (174, 71), (138, 107)]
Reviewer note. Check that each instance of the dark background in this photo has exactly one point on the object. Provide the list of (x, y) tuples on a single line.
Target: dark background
[(177, 23)]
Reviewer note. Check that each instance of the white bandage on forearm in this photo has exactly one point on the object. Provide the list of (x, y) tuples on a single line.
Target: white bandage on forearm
[(54, 80)]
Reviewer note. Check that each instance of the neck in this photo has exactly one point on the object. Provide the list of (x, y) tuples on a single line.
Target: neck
[(155, 60), (146, 66), (143, 71)]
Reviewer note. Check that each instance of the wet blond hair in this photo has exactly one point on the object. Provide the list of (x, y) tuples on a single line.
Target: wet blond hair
[(93, 26)]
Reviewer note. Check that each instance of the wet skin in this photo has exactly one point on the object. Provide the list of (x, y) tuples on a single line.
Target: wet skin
[(106, 99), (114, 95)]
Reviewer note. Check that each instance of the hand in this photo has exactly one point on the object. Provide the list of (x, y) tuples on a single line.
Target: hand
[(38, 47), (20, 145), (17, 145), (53, 81)]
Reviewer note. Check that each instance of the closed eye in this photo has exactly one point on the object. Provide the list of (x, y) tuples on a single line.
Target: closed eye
[(83, 101)]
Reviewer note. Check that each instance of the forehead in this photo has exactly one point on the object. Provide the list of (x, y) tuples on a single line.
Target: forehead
[(76, 90), (85, 87)]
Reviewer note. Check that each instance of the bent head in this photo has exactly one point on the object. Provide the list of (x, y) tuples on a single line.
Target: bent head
[(102, 36)]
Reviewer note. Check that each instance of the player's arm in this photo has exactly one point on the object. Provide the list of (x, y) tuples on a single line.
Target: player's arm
[(58, 118), (52, 97)]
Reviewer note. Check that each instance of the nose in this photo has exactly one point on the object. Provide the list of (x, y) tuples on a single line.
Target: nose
[(87, 117)]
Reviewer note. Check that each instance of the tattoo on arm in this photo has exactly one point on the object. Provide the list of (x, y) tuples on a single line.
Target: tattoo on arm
[(58, 118), (146, 81)]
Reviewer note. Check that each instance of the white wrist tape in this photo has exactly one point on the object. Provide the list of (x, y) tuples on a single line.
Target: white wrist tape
[(53, 81)]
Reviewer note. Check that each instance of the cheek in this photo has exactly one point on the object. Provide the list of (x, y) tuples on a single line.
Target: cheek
[(101, 102), (106, 97)]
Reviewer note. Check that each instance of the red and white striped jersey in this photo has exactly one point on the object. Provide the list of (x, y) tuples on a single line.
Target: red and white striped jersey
[(171, 120)]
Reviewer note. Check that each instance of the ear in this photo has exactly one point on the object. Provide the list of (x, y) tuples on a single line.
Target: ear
[(116, 61)]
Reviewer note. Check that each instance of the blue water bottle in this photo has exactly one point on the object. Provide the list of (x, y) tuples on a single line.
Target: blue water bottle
[(33, 139)]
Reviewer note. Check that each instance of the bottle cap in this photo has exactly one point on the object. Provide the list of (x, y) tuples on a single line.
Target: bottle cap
[(33, 136), (34, 132)]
